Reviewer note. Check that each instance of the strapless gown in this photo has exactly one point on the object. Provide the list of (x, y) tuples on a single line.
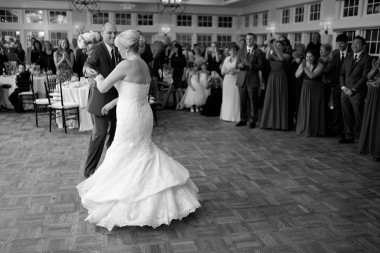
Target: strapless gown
[(137, 184)]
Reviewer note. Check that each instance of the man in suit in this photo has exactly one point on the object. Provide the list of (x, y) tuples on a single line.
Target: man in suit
[(353, 82), (338, 56), (102, 59), (249, 60)]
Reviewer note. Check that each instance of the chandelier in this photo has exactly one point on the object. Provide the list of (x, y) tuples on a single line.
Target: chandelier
[(171, 6), (80, 5)]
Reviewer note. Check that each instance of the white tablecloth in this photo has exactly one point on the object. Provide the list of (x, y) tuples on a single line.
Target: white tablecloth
[(38, 86), (78, 95)]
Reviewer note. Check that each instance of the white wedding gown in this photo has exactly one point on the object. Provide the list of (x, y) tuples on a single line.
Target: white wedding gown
[(137, 184)]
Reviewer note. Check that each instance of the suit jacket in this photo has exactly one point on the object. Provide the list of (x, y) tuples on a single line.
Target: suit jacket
[(353, 75), (99, 59), (249, 75), (336, 61)]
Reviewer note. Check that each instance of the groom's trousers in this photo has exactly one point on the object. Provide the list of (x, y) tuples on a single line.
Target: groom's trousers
[(98, 138)]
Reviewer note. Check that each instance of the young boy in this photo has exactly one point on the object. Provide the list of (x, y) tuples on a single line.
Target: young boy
[(22, 82)]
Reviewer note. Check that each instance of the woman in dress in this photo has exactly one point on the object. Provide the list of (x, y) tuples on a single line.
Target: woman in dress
[(64, 60), (47, 58), (137, 184), (275, 110), (295, 83), (178, 63), (230, 110), (311, 112), (19, 53), (369, 141), (214, 100), (213, 58), (198, 59), (35, 55), (328, 83)]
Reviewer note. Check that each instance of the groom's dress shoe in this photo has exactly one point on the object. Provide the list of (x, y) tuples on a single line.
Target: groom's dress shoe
[(241, 123), (252, 125)]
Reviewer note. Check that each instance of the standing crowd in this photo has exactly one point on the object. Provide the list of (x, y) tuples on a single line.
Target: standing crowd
[(313, 89)]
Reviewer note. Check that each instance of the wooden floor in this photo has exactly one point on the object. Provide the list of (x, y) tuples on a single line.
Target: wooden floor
[(260, 190)]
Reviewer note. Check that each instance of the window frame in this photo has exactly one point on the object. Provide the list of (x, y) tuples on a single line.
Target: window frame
[(184, 23), (224, 43), (255, 20), (371, 40), (225, 21), (12, 17), (313, 13), (264, 18), (42, 21), (201, 42), (121, 18), (103, 15), (367, 2), (145, 19), (55, 41), (301, 16), (180, 36), (57, 11), (350, 7), (285, 18), (200, 23)]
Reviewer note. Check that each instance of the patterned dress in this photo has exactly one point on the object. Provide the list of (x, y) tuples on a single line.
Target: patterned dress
[(64, 71)]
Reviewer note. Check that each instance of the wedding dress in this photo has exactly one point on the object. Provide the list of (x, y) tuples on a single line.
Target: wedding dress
[(137, 184)]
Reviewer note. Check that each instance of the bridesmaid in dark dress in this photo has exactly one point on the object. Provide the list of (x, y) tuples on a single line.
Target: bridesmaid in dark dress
[(213, 58), (214, 100), (369, 141), (178, 63), (275, 110), (311, 112), (294, 83)]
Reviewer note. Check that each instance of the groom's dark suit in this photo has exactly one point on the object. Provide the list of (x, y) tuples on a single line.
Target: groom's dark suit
[(100, 60), (248, 82)]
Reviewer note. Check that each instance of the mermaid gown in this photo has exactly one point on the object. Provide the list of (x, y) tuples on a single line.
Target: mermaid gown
[(137, 184)]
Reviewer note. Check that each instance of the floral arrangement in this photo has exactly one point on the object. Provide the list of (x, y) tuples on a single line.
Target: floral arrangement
[(86, 38)]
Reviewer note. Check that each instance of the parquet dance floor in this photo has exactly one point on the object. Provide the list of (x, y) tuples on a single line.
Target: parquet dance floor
[(260, 190)]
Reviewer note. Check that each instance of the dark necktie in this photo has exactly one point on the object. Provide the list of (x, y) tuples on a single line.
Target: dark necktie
[(342, 58), (248, 53), (355, 58), (113, 57)]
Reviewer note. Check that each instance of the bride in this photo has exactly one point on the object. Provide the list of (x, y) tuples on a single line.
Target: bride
[(137, 184)]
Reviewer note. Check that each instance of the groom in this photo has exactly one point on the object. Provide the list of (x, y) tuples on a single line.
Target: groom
[(102, 59)]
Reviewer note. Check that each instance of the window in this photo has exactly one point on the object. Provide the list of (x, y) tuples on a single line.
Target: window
[(34, 16), (205, 21), (372, 36), (10, 34), (285, 16), (39, 35), (297, 39), (145, 19), (184, 39), (225, 22), (184, 20), (265, 19), (223, 40), (373, 7), (246, 23), (299, 14), (55, 37), (123, 18), (351, 8), (99, 18), (315, 12), (57, 17), (351, 35), (255, 20), (204, 40), (9, 16)]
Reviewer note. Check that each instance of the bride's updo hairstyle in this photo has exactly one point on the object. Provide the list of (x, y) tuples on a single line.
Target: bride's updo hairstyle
[(130, 39)]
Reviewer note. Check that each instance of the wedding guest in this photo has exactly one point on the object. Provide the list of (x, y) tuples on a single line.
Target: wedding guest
[(315, 44), (146, 53), (188, 53), (295, 83), (198, 59), (22, 83), (178, 63), (288, 46), (369, 141), (3, 60), (214, 100), (311, 113), (29, 51), (158, 51), (249, 61), (213, 58), (353, 79), (10, 50), (35, 55), (19, 53), (230, 110), (64, 60), (47, 58), (203, 77), (195, 96), (338, 57), (275, 110), (327, 79)]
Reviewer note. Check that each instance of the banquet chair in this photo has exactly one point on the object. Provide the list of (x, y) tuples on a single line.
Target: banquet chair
[(153, 89), (26, 95), (40, 105), (57, 107)]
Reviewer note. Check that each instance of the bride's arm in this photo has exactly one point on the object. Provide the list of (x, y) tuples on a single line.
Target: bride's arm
[(109, 106), (117, 74)]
